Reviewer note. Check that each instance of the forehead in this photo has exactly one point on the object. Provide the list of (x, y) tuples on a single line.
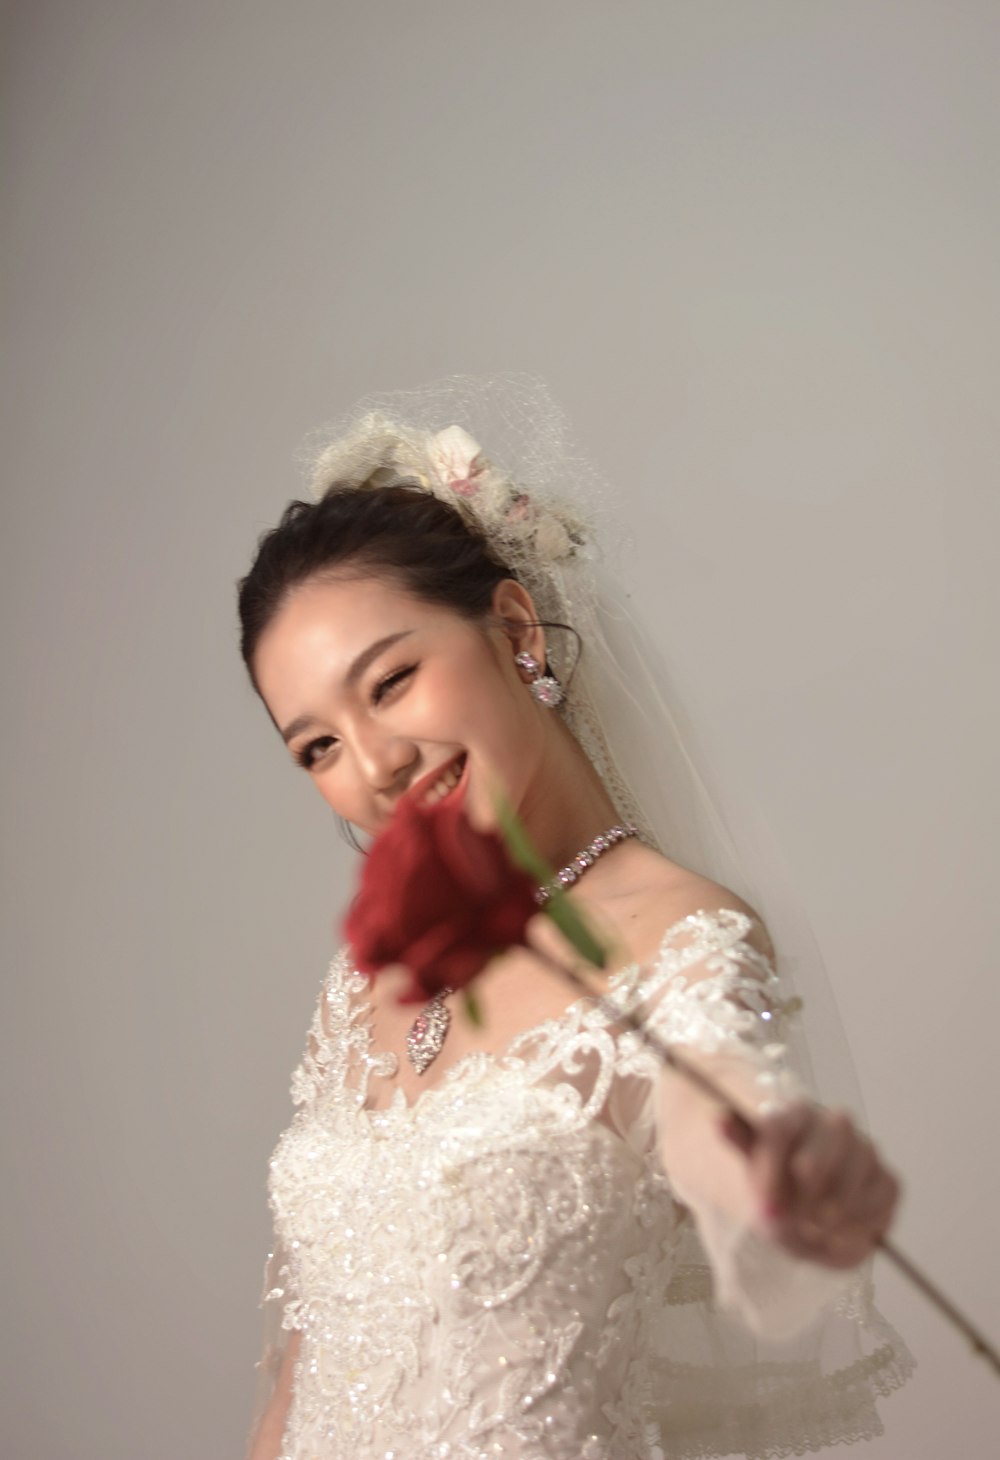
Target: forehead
[(324, 624)]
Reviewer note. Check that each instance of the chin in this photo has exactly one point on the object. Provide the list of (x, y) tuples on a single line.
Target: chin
[(483, 818), (476, 806)]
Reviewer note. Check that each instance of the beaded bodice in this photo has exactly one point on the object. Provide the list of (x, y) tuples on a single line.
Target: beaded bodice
[(505, 1267)]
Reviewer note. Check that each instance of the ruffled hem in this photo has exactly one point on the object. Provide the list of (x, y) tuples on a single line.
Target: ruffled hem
[(787, 1413)]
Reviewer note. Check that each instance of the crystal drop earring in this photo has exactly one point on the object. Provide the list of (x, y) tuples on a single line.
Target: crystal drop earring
[(545, 687)]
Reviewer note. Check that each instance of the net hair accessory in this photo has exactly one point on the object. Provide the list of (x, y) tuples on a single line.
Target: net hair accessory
[(499, 449)]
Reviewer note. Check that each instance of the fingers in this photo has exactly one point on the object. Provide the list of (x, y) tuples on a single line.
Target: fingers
[(771, 1170), (737, 1129), (822, 1190), (818, 1163), (876, 1205), (846, 1186)]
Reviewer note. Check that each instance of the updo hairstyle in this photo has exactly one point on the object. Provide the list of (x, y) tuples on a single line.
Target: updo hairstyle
[(398, 530)]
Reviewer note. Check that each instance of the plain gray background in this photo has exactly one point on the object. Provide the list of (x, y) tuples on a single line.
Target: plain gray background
[(753, 248)]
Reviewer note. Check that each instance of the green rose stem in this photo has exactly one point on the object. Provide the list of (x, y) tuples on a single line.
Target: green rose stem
[(571, 924), (472, 1009)]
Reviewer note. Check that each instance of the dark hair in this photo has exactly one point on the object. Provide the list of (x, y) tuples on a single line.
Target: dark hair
[(400, 530)]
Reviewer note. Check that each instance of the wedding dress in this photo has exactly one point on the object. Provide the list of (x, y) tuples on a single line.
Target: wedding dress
[(521, 1263)]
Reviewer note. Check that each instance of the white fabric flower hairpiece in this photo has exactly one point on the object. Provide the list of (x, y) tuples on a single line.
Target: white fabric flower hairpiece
[(503, 508)]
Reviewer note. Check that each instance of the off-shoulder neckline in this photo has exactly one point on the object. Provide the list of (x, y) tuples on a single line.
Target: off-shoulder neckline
[(402, 1107)]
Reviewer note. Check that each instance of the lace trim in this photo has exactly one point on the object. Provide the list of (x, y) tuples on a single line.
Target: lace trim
[(808, 1411), (736, 1005), (691, 1283)]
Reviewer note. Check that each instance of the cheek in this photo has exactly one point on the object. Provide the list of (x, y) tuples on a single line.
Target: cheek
[(341, 797), (438, 703), (464, 700), (499, 721)]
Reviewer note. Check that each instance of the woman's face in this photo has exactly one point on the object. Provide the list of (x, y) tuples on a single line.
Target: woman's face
[(374, 690)]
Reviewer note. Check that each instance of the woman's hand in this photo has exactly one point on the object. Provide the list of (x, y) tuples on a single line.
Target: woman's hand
[(821, 1189)]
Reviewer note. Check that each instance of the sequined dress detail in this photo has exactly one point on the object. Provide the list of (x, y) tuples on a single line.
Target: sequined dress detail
[(508, 1266)]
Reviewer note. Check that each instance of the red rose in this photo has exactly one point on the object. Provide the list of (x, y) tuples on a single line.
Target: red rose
[(439, 897)]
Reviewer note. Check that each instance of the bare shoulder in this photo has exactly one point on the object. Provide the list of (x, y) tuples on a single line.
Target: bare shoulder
[(693, 893), (659, 893)]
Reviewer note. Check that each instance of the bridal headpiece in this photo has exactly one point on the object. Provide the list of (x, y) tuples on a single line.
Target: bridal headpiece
[(536, 500), (500, 451), (453, 465), (526, 534)]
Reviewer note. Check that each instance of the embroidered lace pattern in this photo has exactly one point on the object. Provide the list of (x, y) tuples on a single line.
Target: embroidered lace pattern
[(503, 1267)]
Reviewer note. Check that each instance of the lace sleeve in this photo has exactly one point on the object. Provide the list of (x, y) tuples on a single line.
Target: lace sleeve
[(276, 1296), (715, 995), (279, 1298), (757, 1352)]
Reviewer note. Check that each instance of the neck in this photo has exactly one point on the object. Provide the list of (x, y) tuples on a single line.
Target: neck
[(569, 806)]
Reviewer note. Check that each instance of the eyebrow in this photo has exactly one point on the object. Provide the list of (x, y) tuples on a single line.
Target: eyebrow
[(357, 669)]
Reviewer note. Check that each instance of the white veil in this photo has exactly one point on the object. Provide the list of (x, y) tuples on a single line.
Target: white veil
[(500, 450), (622, 703)]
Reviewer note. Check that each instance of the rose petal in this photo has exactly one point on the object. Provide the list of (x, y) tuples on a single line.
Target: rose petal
[(438, 896)]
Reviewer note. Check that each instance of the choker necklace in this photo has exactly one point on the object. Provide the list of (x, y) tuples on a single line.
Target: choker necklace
[(426, 1034)]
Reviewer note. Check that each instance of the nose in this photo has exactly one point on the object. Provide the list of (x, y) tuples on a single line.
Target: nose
[(384, 760)]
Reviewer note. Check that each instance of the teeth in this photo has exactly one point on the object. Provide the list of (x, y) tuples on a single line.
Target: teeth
[(447, 781)]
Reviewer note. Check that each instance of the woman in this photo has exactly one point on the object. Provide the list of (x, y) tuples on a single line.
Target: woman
[(526, 1237)]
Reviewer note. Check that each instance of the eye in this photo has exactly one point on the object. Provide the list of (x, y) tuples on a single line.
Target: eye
[(384, 686), (304, 755)]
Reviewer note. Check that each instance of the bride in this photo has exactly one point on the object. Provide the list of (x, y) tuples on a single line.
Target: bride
[(526, 1237)]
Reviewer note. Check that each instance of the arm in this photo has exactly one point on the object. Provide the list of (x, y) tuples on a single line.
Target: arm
[(280, 1345), (831, 1196), (265, 1444)]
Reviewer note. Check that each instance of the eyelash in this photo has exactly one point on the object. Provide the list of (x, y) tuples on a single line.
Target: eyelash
[(303, 756)]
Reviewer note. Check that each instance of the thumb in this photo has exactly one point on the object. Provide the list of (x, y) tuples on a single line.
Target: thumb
[(737, 1129)]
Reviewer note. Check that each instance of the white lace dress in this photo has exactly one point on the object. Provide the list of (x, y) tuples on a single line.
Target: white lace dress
[(509, 1267)]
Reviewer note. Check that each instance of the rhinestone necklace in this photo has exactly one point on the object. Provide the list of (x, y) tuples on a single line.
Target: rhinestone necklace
[(426, 1034)]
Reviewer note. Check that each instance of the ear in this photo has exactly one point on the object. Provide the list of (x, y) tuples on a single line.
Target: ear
[(514, 607)]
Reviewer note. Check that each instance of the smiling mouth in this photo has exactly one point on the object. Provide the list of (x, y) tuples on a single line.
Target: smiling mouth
[(446, 781)]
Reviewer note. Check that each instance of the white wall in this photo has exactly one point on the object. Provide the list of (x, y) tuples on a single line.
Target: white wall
[(753, 248)]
